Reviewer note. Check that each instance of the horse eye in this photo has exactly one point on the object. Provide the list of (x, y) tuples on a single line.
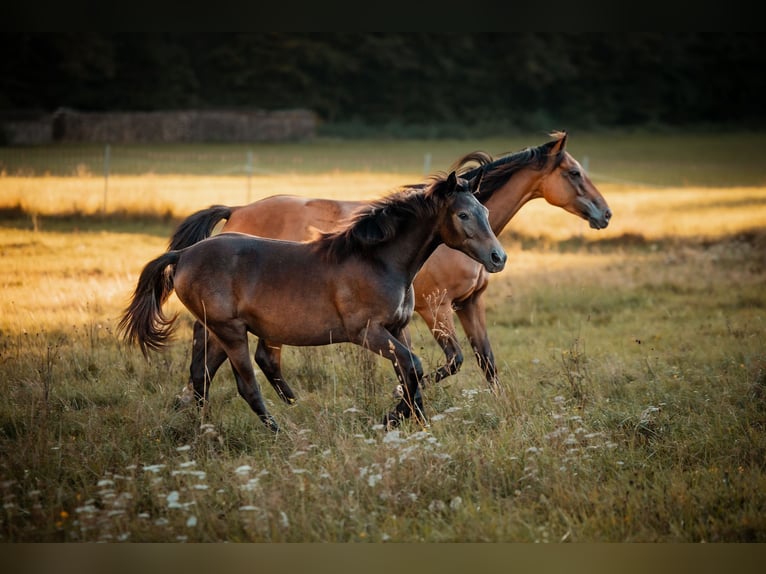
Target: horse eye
[(574, 172), (463, 215)]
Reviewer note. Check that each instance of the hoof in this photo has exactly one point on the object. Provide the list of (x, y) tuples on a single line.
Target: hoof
[(271, 424), (184, 398), (286, 394), (392, 420)]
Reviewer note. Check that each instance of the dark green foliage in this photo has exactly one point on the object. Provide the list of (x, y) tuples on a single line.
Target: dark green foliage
[(528, 79)]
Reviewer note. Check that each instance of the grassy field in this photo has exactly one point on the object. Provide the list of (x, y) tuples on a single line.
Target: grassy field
[(633, 362)]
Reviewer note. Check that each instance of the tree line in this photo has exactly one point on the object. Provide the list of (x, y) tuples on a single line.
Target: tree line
[(585, 78)]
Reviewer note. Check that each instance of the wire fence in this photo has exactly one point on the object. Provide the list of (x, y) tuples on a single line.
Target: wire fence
[(223, 160), (107, 169)]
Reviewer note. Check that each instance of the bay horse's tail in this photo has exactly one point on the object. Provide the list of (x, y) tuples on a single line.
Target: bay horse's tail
[(198, 226), (144, 322)]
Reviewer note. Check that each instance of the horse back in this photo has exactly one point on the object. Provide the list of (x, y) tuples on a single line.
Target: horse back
[(290, 217)]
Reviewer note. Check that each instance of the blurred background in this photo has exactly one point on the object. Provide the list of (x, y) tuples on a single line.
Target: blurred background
[(405, 85)]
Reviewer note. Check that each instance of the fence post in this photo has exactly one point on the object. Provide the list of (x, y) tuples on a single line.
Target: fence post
[(249, 170), (107, 154)]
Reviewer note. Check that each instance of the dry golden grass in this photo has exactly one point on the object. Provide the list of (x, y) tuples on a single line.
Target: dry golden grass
[(179, 195)]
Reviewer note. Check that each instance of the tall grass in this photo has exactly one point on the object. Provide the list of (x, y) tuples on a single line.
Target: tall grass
[(633, 405)]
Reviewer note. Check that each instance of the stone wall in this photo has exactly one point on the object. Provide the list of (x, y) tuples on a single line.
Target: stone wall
[(183, 126)]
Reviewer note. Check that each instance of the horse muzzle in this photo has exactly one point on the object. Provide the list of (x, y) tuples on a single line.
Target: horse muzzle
[(599, 219), (496, 260)]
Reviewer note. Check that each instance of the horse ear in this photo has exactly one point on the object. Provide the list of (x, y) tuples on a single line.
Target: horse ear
[(476, 183), (449, 187), (560, 143), (451, 182)]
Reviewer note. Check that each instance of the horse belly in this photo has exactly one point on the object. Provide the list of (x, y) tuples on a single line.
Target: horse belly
[(294, 326), (292, 308)]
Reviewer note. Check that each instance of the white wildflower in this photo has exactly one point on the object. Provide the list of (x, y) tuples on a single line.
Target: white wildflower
[(393, 437), (172, 499), (436, 506)]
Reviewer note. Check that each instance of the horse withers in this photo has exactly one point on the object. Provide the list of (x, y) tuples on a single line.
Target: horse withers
[(350, 285)]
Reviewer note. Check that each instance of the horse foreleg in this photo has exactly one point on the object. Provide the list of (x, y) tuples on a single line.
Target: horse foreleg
[(409, 372), (207, 357), (442, 327), (268, 356), (473, 318)]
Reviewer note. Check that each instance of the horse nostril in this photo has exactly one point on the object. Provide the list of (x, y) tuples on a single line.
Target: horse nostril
[(497, 258), (608, 214)]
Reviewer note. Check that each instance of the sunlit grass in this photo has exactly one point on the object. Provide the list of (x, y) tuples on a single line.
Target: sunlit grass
[(177, 195)]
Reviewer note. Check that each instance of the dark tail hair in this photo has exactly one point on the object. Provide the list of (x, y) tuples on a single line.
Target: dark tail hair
[(198, 226), (143, 321)]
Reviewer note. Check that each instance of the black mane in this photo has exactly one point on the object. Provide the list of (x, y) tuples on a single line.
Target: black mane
[(378, 222), (496, 172)]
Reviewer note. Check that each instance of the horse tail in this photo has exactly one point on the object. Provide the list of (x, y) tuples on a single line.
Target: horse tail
[(198, 226), (144, 322)]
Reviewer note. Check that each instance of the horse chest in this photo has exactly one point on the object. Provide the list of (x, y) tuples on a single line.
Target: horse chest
[(401, 313)]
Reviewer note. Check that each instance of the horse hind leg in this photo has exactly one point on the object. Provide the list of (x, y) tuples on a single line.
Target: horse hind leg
[(207, 357), (252, 394), (239, 357), (268, 357)]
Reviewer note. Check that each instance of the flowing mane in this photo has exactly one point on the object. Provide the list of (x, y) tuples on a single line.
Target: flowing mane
[(496, 172), (378, 222)]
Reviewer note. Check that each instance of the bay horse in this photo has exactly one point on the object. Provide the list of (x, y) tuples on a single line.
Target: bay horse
[(349, 285), (448, 280)]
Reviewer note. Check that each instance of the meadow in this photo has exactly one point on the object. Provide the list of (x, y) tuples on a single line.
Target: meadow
[(632, 362)]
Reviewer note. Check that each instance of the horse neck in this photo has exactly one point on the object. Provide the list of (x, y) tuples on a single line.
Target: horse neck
[(412, 246), (506, 201)]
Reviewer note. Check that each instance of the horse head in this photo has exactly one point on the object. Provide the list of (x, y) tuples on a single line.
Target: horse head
[(466, 225), (566, 185)]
